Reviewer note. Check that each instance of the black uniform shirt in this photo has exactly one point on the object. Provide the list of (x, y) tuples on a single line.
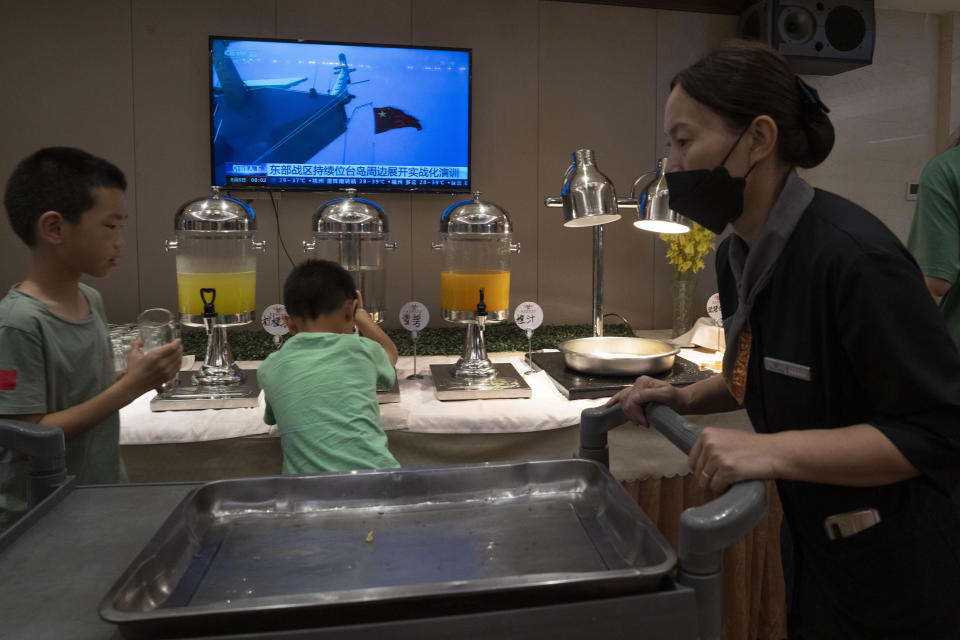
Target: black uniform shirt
[(847, 308)]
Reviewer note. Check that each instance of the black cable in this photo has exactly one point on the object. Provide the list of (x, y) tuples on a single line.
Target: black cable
[(276, 214)]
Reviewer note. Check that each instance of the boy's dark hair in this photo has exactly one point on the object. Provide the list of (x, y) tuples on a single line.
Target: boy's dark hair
[(56, 179), (317, 287)]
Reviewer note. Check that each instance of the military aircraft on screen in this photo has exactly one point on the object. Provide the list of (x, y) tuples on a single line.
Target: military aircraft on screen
[(269, 121)]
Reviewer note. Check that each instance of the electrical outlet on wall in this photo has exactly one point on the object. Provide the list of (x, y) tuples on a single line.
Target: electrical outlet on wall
[(912, 189)]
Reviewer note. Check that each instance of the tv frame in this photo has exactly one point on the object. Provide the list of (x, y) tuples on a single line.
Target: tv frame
[(468, 188)]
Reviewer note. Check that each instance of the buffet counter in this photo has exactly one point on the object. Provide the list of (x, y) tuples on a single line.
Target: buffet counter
[(208, 445)]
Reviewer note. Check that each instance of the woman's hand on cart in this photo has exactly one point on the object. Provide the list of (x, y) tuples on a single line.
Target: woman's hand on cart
[(719, 457), (645, 389), (722, 457)]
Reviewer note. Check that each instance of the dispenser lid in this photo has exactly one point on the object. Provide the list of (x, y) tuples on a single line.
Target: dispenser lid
[(350, 215), (475, 216), (216, 213)]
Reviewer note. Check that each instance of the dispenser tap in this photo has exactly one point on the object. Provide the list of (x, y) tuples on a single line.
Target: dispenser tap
[(474, 364), (481, 313), (209, 311)]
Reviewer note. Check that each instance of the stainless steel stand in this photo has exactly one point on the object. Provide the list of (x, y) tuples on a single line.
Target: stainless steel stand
[(474, 363), (218, 367), (506, 382), (474, 376), (188, 395), (218, 384), (598, 280)]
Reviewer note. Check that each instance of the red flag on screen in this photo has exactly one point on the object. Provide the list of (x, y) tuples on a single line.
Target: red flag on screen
[(386, 118)]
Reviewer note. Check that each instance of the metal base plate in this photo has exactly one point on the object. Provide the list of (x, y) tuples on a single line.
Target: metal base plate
[(576, 385), (188, 396), (392, 394), (506, 383), (233, 320)]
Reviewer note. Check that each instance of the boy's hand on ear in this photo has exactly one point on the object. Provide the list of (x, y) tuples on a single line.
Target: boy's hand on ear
[(361, 319), (291, 325)]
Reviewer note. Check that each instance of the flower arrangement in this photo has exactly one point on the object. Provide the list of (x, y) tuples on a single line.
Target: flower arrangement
[(686, 251)]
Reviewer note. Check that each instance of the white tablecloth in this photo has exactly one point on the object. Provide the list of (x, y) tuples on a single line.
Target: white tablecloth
[(418, 410), (139, 425)]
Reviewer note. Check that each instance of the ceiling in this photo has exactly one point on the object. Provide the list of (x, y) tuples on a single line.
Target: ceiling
[(735, 7)]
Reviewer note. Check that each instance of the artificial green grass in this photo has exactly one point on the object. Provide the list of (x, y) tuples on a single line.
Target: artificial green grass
[(432, 341)]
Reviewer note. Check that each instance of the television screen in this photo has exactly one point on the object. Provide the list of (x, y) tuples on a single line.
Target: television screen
[(291, 114)]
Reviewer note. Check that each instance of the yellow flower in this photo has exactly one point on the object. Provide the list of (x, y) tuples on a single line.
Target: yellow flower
[(686, 251)]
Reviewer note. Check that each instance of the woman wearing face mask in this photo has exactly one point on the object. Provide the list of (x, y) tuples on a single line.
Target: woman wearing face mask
[(835, 349)]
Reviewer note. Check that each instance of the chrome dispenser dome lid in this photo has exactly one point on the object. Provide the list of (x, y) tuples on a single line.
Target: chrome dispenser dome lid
[(475, 216), (349, 215), (216, 213)]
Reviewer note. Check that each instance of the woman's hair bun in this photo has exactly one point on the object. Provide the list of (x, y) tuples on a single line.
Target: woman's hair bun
[(746, 79)]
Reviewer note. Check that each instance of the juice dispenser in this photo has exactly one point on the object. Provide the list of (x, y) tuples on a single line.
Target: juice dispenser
[(216, 251), (352, 232), (476, 241)]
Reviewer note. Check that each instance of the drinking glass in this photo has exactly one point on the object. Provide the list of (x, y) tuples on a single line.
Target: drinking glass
[(121, 337), (158, 327)]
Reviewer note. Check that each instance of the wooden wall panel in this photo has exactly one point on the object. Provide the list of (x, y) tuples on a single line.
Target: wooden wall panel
[(597, 91), (128, 80), (681, 39), (503, 37), (171, 109), (369, 21), (65, 83), (885, 119)]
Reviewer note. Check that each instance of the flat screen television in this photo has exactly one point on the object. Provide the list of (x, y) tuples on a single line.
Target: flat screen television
[(323, 116)]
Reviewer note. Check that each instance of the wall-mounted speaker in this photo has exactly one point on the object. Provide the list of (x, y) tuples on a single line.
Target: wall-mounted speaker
[(817, 37)]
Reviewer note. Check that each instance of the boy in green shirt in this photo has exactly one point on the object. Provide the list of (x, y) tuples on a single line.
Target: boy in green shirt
[(321, 386), (56, 363), (935, 233)]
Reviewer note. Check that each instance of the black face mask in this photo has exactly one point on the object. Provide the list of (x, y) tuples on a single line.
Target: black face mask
[(709, 198)]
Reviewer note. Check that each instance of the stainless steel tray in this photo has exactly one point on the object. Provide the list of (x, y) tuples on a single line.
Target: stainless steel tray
[(278, 552)]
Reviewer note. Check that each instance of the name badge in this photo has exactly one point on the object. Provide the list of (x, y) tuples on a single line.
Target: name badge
[(791, 369)]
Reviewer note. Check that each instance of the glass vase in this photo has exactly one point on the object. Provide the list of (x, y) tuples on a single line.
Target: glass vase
[(683, 288)]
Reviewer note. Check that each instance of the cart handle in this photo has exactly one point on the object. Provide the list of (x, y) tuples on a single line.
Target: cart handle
[(705, 530), (45, 449)]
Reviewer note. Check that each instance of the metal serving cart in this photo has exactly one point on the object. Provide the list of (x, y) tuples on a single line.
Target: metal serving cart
[(543, 549)]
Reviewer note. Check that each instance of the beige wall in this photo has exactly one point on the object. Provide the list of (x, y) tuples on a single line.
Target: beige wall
[(885, 116), (950, 57), (126, 79)]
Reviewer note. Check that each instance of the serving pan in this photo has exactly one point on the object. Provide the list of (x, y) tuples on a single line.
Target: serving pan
[(618, 356), (278, 552)]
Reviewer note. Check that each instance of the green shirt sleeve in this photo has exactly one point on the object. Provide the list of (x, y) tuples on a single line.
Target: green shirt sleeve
[(386, 374), (23, 364), (935, 232)]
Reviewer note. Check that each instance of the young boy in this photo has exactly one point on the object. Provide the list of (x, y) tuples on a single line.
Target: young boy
[(56, 363), (321, 387)]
